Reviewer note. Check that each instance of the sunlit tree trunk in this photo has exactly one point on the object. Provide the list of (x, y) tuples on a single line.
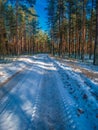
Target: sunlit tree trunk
[(84, 30)]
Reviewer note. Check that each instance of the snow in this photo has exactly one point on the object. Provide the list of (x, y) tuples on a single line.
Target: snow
[(83, 90), (9, 69), (47, 94), (85, 65)]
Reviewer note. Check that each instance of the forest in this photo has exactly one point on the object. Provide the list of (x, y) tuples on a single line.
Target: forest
[(48, 64), (72, 29)]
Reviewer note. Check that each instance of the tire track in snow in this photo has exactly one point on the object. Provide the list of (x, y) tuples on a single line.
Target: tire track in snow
[(47, 112), (81, 111), (9, 100)]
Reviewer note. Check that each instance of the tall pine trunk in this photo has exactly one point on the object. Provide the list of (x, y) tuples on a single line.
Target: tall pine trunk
[(17, 37), (91, 39), (69, 46), (96, 39), (84, 31)]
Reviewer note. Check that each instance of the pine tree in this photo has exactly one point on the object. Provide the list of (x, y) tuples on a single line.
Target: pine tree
[(96, 38)]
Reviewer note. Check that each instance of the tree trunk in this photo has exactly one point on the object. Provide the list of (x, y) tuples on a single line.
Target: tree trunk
[(84, 30), (69, 46), (90, 51), (96, 39), (17, 49)]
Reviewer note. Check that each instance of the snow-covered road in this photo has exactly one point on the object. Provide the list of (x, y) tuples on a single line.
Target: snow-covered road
[(47, 96)]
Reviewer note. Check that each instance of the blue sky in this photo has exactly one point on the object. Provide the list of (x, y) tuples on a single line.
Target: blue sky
[(40, 5)]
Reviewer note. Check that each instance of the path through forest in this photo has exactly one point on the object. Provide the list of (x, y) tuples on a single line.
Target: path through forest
[(47, 96)]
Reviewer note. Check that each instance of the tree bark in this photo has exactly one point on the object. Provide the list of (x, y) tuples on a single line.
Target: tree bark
[(96, 39), (84, 30)]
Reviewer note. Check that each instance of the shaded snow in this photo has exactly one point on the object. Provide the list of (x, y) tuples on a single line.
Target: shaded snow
[(83, 91), (47, 95)]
